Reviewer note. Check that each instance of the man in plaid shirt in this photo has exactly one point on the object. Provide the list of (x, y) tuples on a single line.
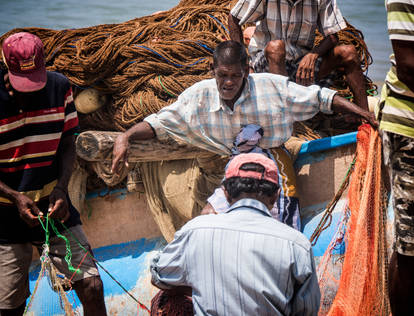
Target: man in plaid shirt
[(210, 113), (283, 41)]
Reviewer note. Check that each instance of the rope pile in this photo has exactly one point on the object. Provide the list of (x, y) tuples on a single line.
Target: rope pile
[(145, 63)]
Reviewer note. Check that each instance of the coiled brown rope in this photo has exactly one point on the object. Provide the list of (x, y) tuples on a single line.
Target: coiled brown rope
[(144, 63)]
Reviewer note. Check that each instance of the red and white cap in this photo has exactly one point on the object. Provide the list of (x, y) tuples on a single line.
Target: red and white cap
[(269, 173), (23, 54)]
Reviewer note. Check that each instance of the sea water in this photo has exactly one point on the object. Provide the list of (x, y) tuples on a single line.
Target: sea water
[(366, 15)]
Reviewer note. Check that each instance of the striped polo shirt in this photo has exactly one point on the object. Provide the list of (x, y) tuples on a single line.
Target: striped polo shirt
[(29, 140), (396, 109)]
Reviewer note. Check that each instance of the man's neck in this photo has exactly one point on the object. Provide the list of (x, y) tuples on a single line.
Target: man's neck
[(261, 198)]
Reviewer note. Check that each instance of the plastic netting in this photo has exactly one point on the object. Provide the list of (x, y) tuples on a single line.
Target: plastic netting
[(356, 284), (56, 301)]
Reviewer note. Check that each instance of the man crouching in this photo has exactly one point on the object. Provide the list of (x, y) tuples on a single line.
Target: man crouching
[(241, 262)]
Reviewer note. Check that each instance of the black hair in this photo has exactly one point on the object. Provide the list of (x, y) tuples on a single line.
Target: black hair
[(229, 53), (238, 185)]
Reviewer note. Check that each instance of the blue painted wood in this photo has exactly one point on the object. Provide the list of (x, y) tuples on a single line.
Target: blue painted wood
[(328, 143)]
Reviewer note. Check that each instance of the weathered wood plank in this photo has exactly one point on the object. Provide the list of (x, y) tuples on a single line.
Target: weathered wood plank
[(97, 146)]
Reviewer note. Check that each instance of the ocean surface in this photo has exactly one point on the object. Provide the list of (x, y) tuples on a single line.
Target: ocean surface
[(366, 15)]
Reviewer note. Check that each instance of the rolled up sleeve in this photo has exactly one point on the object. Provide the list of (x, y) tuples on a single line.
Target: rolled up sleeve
[(306, 102), (170, 120), (249, 10), (330, 20), (168, 268)]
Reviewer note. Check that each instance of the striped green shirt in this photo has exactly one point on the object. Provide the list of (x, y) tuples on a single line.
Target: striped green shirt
[(396, 109)]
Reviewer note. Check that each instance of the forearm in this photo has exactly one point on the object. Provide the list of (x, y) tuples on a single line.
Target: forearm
[(65, 160), (7, 192), (342, 105), (140, 131), (235, 31), (326, 45)]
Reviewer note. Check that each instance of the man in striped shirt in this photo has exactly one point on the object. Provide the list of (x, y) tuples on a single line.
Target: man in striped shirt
[(396, 116), (37, 124), (283, 42), (242, 262)]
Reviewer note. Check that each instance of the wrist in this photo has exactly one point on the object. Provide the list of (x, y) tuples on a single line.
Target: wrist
[(126, 136), (61, 188), (13, 196)]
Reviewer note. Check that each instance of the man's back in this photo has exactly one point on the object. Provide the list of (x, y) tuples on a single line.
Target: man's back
[(244, 262)]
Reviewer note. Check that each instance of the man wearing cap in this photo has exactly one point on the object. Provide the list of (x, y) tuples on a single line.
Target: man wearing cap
[(37, 125), (242, 262)]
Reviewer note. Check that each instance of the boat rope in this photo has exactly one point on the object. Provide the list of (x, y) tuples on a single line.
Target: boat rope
[(142, 305), (165, 89), (326, 219), (124, 60)]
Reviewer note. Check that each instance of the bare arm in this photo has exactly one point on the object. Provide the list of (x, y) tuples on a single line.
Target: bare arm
[(65, 156), (404, 57), (326, 45), (26, 207), (235, 30), (342, 105), (140, 131)]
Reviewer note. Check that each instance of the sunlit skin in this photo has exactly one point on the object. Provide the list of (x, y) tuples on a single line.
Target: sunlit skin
[(230, 79)]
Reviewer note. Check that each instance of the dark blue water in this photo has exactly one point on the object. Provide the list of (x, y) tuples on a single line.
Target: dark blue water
[(366, 15)]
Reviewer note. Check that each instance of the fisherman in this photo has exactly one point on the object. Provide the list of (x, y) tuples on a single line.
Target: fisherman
[(242, 262), (210, 113), (37, 126), (283, 42), (396, 118)]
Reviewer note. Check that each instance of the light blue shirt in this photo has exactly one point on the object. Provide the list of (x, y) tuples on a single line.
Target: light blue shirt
[(242, 262), (200, 118)]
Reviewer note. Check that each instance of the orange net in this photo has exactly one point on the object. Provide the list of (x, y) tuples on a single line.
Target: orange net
[(357, 284)]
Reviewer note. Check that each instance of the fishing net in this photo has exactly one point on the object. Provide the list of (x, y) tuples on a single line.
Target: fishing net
[(56, 302), (145, 63), (356, 283)]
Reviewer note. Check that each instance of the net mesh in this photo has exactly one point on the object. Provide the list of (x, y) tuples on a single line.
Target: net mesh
[(56, 301), (356, 284)]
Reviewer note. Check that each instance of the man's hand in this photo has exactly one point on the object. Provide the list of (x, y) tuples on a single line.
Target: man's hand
[(28, 210), (120, 153), (370, 118), (306, 70), (342, 105), (58, 205)]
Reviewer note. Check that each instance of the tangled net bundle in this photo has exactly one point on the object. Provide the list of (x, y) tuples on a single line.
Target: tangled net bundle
[(357, 283), (145, 63)]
